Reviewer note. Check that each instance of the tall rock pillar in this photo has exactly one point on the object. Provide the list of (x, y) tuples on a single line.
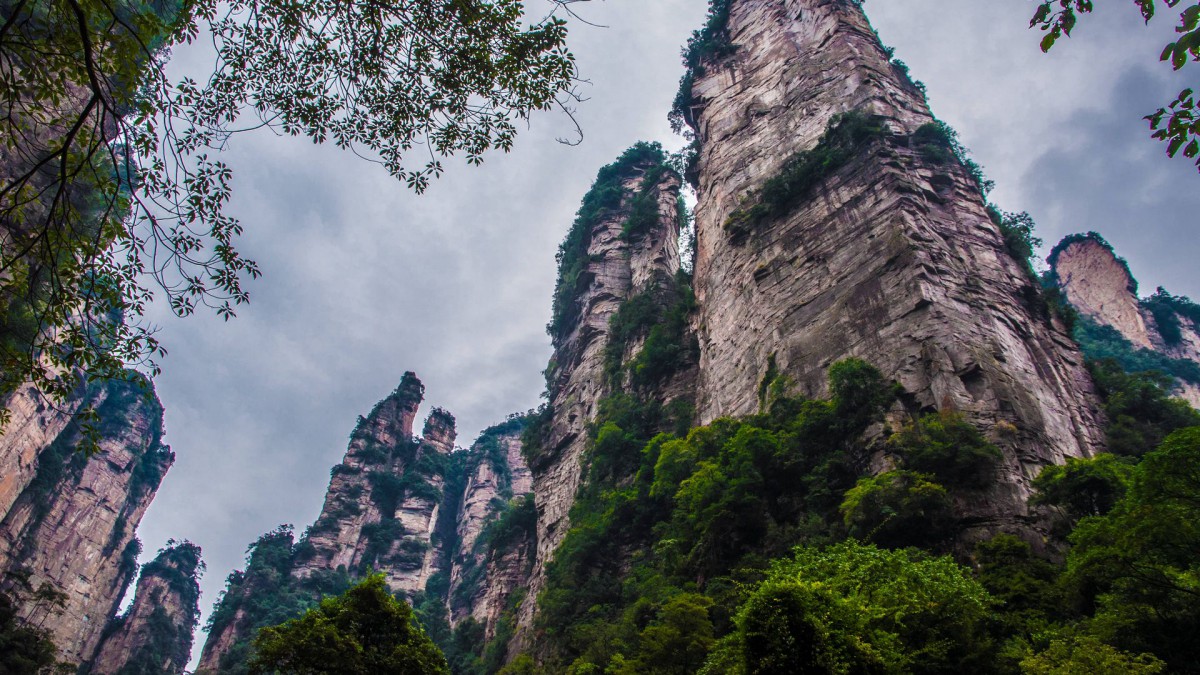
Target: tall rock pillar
[(72, 526), (155, 634), (889, 256), (623, 242)]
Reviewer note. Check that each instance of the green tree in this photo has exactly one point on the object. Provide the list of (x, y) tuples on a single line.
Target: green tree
[(1084, 487), (25, 648), (854, 608), (1178, 124), (899, 508), (110, 186), (948, 447), (365, 631), (1139, 565), (679, 640), (1088, 656)]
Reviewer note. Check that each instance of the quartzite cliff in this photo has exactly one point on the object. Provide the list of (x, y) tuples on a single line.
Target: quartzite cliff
[(892, 258), (69, 519), (1099, 285), (410, 507), (155, 634)]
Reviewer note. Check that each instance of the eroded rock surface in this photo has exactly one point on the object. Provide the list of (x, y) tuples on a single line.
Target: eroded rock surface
[(155, 633), (484, 578), (617, 268), (891, 258), (72, 527), (1099, 285)]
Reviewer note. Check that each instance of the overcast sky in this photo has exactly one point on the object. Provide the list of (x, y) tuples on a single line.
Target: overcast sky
[(364, 280)]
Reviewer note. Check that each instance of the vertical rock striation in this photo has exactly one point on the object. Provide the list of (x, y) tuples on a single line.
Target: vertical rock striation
[(607, 259), (485, 573), (72, 527), (155, 633), (889, 256), (32, 426), (413, 559)]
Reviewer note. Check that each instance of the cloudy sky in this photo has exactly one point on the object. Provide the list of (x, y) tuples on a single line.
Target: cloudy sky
[(364, 280)]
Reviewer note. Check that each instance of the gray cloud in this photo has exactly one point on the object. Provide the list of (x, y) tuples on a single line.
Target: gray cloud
[(364, 280)]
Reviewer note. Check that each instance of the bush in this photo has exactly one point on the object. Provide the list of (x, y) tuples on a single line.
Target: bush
[(1170, 312), (1140, 411), (1085, 655), (1084, 487), (948, 447), (854, 608), (897, 509), (363, 631)]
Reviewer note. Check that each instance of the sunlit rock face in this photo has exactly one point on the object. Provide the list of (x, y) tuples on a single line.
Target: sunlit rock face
[(1100, 286), (155, 633), (71, 527)]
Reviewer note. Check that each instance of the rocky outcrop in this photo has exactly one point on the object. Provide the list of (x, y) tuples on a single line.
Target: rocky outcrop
[(381, 513), (72, 527), (484, 577), (615, 267), (890, 257), (413, 559), (1100, 286), (380, 442), (266, 581), (155, 633)]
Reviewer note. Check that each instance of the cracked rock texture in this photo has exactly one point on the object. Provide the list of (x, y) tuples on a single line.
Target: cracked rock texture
[(484, 578), (617, 269), (337, 537), (33, 425), (72, 526), (1099, 285), (155, 633), (891, 258), (413, 508), (487, 575)]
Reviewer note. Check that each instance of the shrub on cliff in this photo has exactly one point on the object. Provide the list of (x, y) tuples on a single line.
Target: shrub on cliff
[(948, 447), (364, 631), (897, 509), (854, 608)]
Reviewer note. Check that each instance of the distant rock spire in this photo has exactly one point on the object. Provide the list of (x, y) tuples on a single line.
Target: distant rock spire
[(155, 634)]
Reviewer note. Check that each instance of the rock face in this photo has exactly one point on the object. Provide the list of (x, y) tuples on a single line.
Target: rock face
[(155, 633), (379, 444), (72, 526), (891, 257), (617, 268), (1099, 285), (413, 558), (32, 427), (397, 504), (485, 574)]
